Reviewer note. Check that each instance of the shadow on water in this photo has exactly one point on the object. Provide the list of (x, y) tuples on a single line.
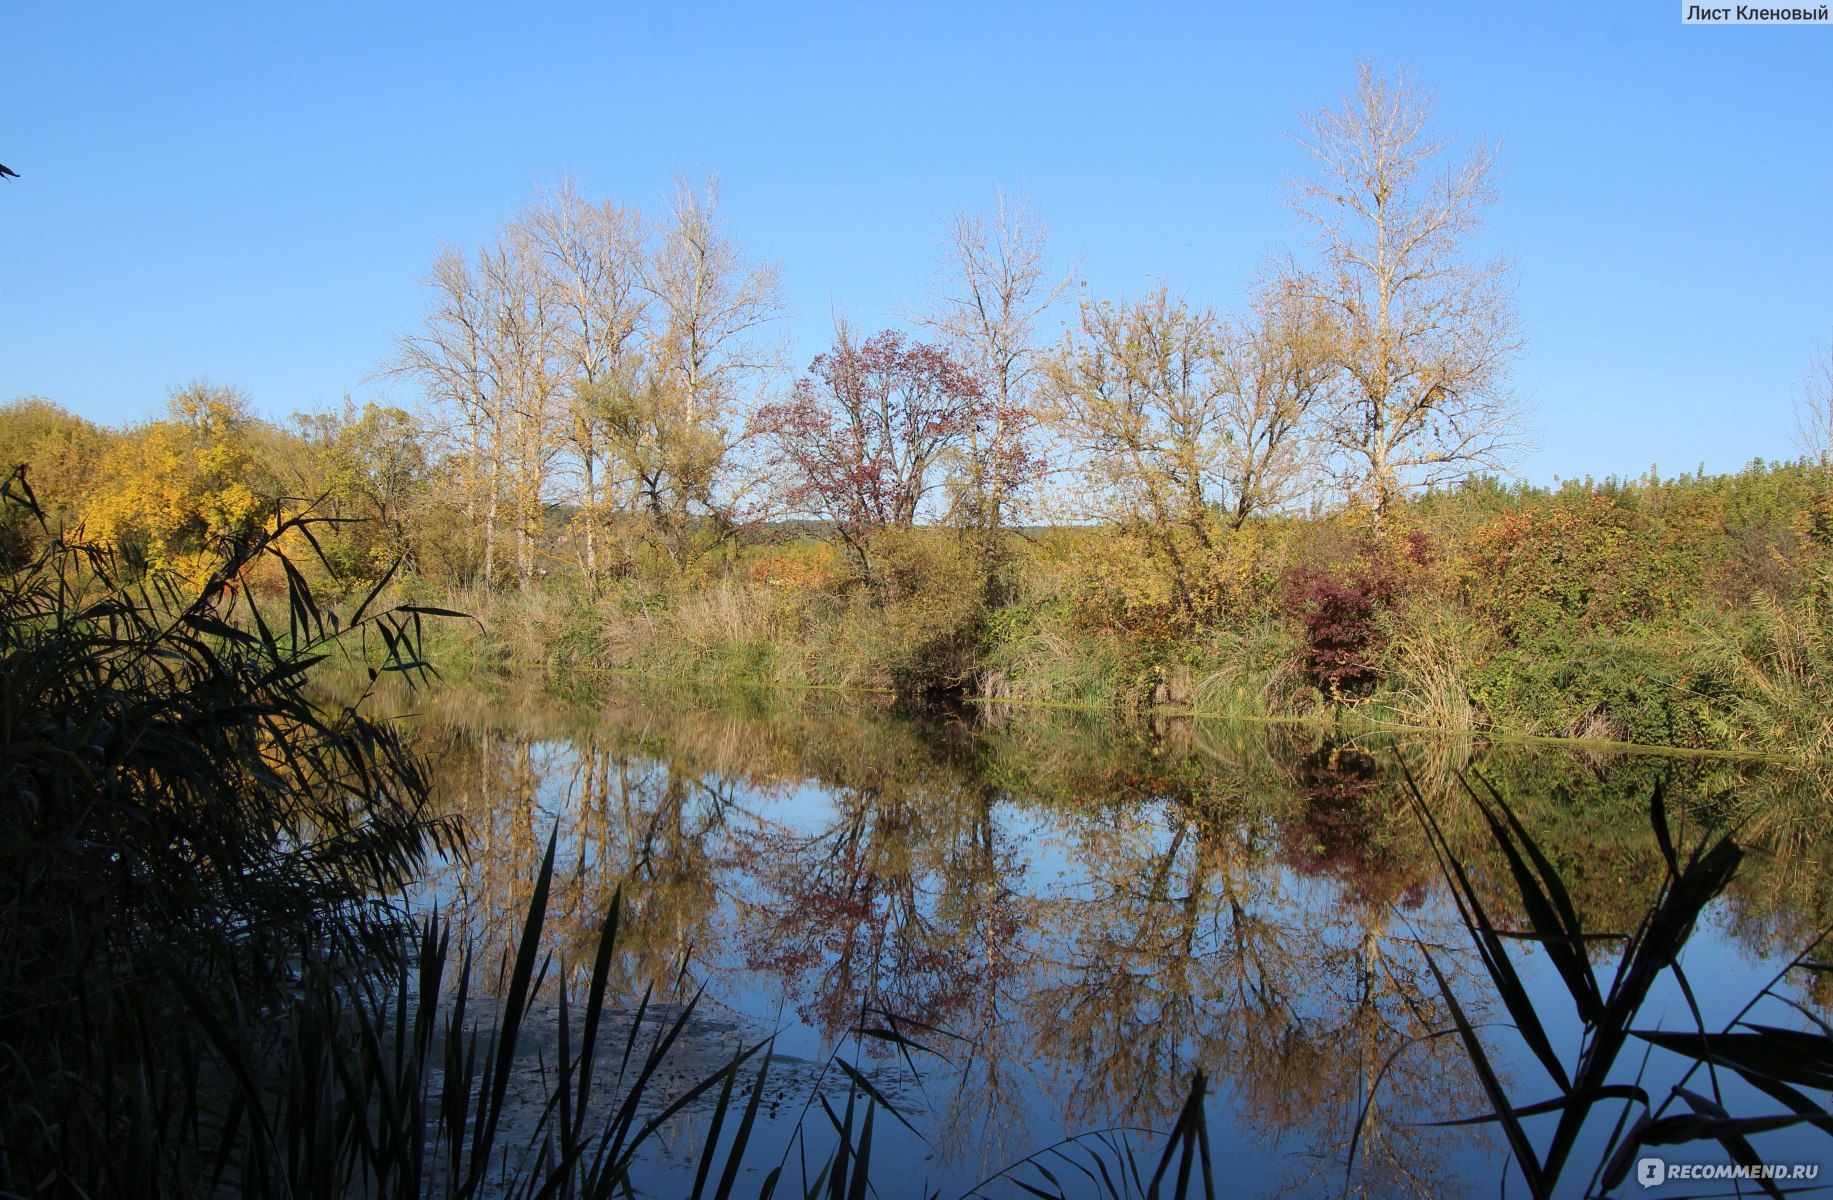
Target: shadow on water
[(1054, 924)]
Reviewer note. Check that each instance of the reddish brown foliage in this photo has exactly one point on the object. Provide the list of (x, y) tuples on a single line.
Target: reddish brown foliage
[(1339, 612), (864, 435)]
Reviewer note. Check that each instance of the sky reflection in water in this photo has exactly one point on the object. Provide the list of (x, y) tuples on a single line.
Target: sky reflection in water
[(1077, 915)]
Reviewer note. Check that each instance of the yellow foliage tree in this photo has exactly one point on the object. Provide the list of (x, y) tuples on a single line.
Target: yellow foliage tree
[(172, 494), (59, 453)]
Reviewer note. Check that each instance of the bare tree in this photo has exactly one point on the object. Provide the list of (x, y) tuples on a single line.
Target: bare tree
[(997, 285), (708, 367), (488, 356), (456, 357), (712, 303), (1423, 332), (576, 347), (595, 258), (1814, 413), (1273, 370), (532, 376)]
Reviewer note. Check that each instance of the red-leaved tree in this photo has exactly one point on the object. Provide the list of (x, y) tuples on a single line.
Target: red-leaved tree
[(867, 435)]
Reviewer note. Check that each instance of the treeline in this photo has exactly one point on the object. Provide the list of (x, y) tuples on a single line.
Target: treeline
[(617, 368), (1282, 510), (1685, 611)]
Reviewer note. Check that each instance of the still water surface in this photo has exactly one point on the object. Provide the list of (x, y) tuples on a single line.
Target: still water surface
[(1074, 916)]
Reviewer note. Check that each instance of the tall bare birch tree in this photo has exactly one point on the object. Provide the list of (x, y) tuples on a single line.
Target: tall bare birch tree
[(996, 286), (579, 344), (487, 355), (595, 259), (455, 357), (531, 377), (1424, 331), (708, 366)]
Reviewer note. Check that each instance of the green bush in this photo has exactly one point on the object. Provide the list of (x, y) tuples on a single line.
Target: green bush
[(1632, 687)]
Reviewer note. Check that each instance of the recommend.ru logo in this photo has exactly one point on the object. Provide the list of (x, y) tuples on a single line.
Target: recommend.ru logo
[(1651, 1171)]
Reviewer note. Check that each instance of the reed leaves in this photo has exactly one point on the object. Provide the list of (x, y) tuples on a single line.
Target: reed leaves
[(1779, 1062)]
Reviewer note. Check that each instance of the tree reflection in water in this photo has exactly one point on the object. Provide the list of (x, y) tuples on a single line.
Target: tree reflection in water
[(1083, 915)]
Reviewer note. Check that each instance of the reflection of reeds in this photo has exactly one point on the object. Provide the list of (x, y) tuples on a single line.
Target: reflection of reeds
[(391, 1087), (1777, 1062)]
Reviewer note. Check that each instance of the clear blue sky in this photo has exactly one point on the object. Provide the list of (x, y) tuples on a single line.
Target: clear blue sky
[(249, 192)]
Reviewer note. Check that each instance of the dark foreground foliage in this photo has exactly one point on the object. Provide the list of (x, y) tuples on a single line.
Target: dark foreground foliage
[(178, 821)]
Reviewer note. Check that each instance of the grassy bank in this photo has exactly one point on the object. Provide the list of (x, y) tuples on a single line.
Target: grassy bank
[(1687, 613)]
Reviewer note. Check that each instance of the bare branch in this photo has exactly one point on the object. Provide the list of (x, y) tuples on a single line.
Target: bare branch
[(1422, 335)]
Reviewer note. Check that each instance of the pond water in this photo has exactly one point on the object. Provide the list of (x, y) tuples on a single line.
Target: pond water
[(1069, 917)]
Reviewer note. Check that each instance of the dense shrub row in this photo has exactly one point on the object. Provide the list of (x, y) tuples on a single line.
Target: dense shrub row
[(1682, 612)]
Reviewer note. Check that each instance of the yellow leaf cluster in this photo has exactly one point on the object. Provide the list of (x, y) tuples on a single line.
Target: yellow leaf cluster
[(1165, 583), (174, 492), (798, 568)]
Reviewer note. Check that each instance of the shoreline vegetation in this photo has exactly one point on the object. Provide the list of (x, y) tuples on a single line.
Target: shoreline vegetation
[(1686, 612), (1608, 614)]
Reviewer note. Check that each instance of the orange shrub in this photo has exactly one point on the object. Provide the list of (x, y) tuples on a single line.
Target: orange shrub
[(1586, 563), (797, 567)]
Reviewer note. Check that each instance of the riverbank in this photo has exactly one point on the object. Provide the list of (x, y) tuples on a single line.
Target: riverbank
[(1750, 678)]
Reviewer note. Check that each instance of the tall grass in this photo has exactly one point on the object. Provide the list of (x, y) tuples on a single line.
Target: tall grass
[(1038, 656), (732, 630), (177, 818), (1781, 670), (1248, 673), (1431, 656)]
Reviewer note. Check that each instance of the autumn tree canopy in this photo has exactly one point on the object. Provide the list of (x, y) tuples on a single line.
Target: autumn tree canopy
[(869, 434)]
